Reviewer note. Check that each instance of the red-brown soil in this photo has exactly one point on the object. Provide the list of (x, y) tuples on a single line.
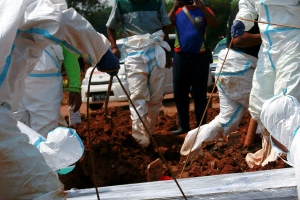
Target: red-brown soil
[(118, 159)]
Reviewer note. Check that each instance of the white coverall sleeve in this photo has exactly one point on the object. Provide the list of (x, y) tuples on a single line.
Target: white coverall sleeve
[(42, 22), (26, 28), (247, 11), (66, 26)]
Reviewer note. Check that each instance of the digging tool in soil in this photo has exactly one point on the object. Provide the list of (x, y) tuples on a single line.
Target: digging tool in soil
[(155, 170), (251, 133), (108, 119)]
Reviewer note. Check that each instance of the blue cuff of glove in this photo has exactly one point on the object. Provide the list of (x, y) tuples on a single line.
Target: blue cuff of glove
[(237, 29), (109, 63)]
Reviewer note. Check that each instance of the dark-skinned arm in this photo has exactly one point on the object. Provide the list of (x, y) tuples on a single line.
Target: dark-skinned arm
[(112, 37), (211, 18), (169, 62), (247, 40), (171, 14)]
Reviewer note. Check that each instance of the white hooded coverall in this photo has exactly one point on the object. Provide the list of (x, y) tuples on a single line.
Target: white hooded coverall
[(234, 87), (278, 64), (40, 105), (145, 68), (26, 28)]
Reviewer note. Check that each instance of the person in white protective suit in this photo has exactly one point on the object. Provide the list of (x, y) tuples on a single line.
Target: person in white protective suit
[(278, 63), (234, 85), (40, 106), (146, 84), (27, 27), (144, 24), (281, 117)]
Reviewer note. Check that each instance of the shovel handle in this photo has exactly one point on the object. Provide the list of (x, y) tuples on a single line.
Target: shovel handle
[(107, 95), (251, 132)]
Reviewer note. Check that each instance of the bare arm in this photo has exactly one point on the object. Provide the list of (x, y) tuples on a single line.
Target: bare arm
[(247, 40), (111, 36), (165, 30), (169, 62), (171, 14), (212, 20)]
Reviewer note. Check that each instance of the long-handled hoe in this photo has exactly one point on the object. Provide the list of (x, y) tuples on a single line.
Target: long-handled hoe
[(111, 125)]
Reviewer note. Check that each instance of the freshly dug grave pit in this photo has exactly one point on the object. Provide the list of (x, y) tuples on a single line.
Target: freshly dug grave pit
[(118, 159)]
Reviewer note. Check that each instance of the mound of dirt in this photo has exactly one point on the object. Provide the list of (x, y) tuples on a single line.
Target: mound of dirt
[(118, 159)]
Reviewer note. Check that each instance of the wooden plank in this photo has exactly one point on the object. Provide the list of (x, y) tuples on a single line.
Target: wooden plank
[(260, 185)]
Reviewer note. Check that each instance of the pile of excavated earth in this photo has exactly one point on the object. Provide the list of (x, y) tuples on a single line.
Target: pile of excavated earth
[(113, 157)]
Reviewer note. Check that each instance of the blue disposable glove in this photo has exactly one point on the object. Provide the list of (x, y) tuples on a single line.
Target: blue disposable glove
[(109, 63), (237, 29)]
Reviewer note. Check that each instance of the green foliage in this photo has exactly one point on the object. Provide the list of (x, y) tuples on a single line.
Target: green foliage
[(222, 9), (168, 5), (94, 11), (99, 19), (87, 7), (234, 3)]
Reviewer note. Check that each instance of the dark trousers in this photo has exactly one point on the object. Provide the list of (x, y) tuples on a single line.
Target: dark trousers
[(190, 74)]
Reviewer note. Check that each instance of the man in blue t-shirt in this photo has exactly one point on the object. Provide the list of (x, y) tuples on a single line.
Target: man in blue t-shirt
[(191, 64)]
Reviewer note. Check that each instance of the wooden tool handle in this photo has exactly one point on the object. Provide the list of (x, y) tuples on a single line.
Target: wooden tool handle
[(251, 133)]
